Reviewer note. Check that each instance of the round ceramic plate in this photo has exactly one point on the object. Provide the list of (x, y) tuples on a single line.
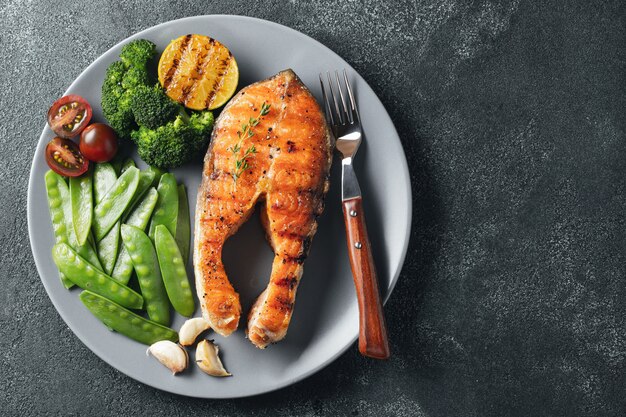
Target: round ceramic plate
[(325, 320)]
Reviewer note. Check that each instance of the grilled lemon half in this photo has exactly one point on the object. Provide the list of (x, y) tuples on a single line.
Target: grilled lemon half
[(198, 72)]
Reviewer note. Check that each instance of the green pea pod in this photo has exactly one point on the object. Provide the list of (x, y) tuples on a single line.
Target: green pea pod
[(138, 218), (110, 209), (108, 248), (89, 278), (158, 172), (81, 196), (117, 163), (144, 258), (183, 224), (57, 191), (173, 272), (127, 164), (166, 211), (87, 250), (125, 322), (104, 177), (145, 182)]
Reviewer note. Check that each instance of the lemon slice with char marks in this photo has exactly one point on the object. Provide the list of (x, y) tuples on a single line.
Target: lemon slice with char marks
[(198, 72)]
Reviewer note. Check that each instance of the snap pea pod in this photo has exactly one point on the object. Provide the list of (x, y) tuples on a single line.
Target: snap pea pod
[(87, 250), (127, 164), (89, 278), (104, 177), (183, 225), (110, 209), (116, 163), (138, 218), (81, 196), (157, 175), (141, 251), (145, 181), (57, 192), (108, 248), (166, 210), (173, 272), (124, 321)]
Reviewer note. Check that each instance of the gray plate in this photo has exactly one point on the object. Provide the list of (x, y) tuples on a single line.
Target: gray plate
[(325, 320)]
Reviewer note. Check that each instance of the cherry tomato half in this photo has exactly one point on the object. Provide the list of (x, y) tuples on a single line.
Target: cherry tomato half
[(69, 115), (64, 158), (98, 142)]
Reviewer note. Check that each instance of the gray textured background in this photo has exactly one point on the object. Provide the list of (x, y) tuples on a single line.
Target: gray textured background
[(511, 301)]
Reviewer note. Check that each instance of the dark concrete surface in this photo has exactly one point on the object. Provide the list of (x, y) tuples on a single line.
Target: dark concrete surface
[(512, 298)]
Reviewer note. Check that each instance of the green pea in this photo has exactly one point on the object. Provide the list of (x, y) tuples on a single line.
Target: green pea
[(145, 181), (166, 210), (127, 164), (144, 259), (57, 190), (81, 196), (110, 209), (173, 272), (104, 177), (124, 321), (183, 224), (139, 218), (81, 273)]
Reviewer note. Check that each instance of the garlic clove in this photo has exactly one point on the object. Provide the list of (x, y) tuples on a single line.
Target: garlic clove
[(207, 358), (170, 354), (191, 329)]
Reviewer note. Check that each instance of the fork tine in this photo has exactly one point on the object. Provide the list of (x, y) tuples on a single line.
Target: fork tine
[(346, 114), (329, 111), (355, 110), (332, 93)]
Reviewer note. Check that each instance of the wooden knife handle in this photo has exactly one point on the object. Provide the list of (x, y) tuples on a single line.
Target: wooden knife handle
[(372, 330)]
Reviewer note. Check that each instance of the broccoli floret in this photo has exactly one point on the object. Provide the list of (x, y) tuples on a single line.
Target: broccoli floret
[(121, 79), (202, 122), (137, 53), (171, 145), (152, 108), (135, 77), (116, 101)]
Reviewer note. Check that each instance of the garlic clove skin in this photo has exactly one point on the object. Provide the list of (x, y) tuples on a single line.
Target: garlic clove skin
[(170, 354), (191, 329), (207, 359)]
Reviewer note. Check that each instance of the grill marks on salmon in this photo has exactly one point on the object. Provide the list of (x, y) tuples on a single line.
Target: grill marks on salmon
[(288, 175)]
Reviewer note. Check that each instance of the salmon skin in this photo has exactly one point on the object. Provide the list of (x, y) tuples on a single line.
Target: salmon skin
[(277, 132)]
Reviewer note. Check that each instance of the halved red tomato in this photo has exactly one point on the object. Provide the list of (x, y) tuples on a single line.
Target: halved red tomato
[(64, 158), (69, 115)]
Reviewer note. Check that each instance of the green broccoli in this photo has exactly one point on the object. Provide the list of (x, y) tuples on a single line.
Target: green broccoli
[(135, 77), (152, 108), (121, 78), (176, 142), (166, 135), (137, 53)]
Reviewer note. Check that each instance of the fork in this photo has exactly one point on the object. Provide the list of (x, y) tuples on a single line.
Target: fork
[(345, 124)]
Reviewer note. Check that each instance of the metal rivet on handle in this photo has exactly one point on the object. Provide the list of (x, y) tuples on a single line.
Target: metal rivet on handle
[(358, 245), (353, 213)]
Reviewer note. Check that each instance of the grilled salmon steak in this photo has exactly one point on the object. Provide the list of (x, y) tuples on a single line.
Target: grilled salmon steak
[(271, 145)]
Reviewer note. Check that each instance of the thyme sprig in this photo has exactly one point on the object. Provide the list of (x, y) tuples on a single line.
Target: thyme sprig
[(246, 132)]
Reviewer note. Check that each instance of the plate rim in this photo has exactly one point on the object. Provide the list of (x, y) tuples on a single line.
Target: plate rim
[(397, 268)]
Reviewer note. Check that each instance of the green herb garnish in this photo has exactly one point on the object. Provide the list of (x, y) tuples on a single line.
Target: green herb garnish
[(241, 163)]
